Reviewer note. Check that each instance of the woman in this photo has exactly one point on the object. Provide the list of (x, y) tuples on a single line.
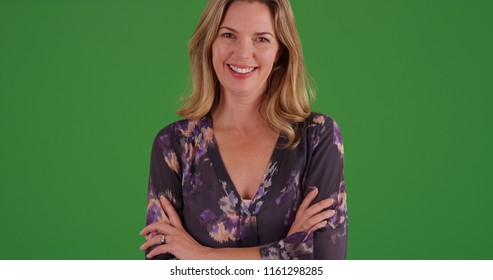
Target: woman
[(250, 173)]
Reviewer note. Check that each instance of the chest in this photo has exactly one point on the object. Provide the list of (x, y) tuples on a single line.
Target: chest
[(246, 159), (212, 210)]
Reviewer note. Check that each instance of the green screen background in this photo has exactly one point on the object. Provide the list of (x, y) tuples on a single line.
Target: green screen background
[(86, 85)]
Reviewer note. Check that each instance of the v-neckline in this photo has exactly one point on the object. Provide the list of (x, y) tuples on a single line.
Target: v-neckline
[(223, 174)]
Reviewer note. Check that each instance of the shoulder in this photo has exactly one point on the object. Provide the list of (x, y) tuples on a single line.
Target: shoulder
[(317, 123), (320, 121), (318, 128), (184, 131)]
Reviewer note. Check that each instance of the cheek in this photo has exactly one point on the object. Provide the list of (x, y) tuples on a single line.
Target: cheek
[(216, 58), (267, 59), (218, 53)]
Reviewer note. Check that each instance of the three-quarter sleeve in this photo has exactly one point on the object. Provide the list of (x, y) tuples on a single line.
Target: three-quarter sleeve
[(325, 171), (164, 180)]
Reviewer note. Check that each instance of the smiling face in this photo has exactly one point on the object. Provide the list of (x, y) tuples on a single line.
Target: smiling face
[(245, 49)]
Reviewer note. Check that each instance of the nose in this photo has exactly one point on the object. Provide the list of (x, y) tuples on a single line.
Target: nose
[(244, 48)]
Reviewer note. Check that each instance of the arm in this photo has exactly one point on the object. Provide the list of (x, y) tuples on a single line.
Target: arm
[(164, 210), (180, 244), (325, 240), (164, 182), (326, 172)]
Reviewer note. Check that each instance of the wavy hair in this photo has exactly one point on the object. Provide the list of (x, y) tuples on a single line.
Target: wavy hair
[(287, 99)]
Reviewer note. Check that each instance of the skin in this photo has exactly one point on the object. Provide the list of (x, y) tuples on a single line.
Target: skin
[(246, 39)]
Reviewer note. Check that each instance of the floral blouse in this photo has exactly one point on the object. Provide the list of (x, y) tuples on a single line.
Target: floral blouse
[(186, 167)]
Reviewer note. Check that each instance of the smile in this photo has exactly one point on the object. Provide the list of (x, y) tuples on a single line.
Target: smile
[(241, 70)]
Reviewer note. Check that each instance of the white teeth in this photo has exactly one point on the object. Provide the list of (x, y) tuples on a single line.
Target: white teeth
[(241, 70)]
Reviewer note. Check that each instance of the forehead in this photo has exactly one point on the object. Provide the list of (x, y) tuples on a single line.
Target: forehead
[(249, 16)]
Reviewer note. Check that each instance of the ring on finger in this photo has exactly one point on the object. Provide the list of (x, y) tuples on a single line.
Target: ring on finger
[(301, 227), (163, 239)]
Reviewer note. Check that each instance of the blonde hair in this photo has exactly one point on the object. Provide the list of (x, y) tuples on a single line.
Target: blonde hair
[(287, 99)]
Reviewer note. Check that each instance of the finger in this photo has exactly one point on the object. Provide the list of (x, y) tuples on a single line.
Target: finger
[(320, 217), (156, 240), (163, 249), (150, 235), (307, 200), (160, 227), (318, 207), (318, 226), (173, 217)]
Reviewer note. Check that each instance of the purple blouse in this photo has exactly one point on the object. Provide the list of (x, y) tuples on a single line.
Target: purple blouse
[(186, 167)]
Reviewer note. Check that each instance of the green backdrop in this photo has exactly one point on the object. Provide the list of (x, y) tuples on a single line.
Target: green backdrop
[(86, 85)]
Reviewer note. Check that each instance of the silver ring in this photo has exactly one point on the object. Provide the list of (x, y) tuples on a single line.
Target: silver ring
[(163, 239)]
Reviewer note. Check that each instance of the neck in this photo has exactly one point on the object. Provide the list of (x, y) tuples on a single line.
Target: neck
[(238, 113)]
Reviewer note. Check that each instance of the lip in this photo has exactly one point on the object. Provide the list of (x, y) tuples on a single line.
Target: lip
[(241, 75)]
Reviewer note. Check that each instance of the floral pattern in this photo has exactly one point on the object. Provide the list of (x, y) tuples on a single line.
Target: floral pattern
[(186, 168)]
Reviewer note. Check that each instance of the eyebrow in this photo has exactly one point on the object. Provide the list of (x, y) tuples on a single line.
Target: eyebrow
[(257, 33)]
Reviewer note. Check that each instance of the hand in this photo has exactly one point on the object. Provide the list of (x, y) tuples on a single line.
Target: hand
[(310, 218), (176, 240)]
